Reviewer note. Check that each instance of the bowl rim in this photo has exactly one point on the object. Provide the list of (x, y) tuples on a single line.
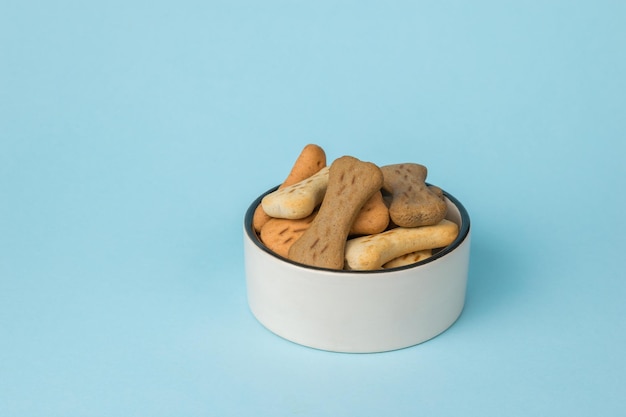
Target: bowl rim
[(464, 230)]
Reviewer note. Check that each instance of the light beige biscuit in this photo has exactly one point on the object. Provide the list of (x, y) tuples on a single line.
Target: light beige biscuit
[(413, 203), (312, 158), (351, 183), (409, 258), (373, 251), (279, 234), (372, 218), (298, 200)]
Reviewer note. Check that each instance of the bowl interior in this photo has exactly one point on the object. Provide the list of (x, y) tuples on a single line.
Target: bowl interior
[(456, 213)]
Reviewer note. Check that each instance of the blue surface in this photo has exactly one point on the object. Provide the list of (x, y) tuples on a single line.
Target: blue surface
[(134, 135)]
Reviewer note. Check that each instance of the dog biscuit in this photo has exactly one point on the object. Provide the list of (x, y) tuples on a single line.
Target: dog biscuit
[(279, 234), (298, 200), (409, 258), (372, 218), (413, 203), (351, 183), (373, 251), (312, 158), (436, 190)]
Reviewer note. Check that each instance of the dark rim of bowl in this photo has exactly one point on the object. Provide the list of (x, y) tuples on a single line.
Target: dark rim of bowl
[(463, 233)]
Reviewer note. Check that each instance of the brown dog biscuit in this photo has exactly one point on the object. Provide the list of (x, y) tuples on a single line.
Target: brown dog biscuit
[(372, 218), (436, 190), (279, 234), (413, 203), (351, 183), (387, 198), (312, 158)]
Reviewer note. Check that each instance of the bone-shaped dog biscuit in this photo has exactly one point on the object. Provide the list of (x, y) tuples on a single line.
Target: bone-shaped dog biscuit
[(298, 200), (413, 202), (312, 158), (373, 251), (409, 258), (351, 183), (372, 218), (279, 234)]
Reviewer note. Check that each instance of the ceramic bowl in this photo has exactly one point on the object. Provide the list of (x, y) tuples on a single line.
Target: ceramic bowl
[(358, 311)]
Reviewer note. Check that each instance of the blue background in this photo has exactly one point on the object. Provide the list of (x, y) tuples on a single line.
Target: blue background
[(134, 135)]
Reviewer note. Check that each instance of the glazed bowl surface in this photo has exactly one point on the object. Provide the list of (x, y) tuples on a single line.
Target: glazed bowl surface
[(358, 311)]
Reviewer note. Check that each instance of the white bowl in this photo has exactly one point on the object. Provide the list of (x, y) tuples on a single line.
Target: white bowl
[(358, 311)]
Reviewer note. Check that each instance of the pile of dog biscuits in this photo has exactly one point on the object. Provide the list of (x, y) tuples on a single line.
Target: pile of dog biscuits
[(353, 215)]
